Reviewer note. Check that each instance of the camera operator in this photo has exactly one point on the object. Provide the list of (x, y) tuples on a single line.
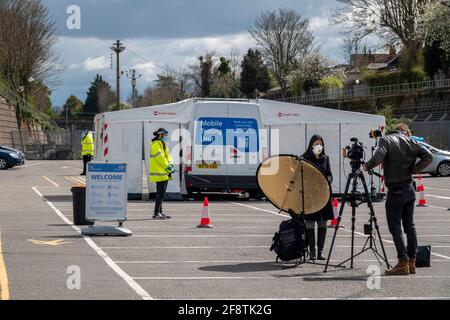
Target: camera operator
[(399, 153)]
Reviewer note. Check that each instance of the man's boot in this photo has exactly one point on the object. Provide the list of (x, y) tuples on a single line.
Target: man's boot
[(322, 236), (412, 266), (311, 244), (401, 269)]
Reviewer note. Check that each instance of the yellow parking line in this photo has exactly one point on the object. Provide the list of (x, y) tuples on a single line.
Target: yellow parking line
[(4, 287), (74, 180), (69, 179), (53, 183), (81, 180)]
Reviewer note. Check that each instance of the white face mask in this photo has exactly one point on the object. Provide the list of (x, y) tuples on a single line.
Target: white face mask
[(318, 150)]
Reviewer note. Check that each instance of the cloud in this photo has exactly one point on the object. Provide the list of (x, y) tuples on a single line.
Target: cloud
[(93, 64), (173, 33), (148, 70), (162, 19)]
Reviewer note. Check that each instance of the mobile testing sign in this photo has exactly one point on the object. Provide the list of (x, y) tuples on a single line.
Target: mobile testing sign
[(106, 194)]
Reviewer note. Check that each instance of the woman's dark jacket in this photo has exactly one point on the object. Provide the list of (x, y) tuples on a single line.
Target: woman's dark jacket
[(323, 163)]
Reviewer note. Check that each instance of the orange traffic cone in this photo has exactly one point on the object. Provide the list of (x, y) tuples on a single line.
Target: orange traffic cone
[(422, 200), (334, 222), (420, 186), (206, 221)]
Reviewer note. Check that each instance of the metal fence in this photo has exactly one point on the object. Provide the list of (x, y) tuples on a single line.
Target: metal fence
[(61, 144), (437, 133), (363, 91)]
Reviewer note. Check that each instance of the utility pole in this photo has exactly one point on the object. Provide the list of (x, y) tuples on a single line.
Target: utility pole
[(118, 48), (132, 75)]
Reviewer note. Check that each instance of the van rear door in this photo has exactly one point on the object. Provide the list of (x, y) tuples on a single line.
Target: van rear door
[(244, 147), (209, 134)]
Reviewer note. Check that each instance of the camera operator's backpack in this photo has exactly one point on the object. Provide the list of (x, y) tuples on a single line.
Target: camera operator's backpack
[(289, 243)]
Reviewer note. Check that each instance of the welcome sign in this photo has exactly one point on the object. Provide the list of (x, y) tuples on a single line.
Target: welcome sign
[(106, 193)]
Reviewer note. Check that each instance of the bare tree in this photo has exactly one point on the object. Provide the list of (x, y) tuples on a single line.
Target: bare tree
[(391, 20), (284, 38), (27, 37), (350, 46)]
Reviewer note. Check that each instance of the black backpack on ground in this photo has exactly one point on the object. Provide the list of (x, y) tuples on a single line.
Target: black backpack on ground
[(289, 243)]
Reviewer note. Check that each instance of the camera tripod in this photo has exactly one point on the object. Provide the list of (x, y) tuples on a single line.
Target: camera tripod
[(370, 244)]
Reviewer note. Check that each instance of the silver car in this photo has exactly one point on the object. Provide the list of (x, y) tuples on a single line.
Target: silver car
[(441, 162)]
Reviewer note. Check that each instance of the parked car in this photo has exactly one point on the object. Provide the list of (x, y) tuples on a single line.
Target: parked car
[(10, 158), (441, 162)]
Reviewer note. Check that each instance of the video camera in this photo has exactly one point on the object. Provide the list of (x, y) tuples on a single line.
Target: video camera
[(355, 153)]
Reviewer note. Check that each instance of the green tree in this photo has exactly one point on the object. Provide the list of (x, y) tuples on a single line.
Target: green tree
[(39, 97), (73, 106), (436, 35), (391, 121), (224, 66), (100, 96), (206, 72), (331, 82), (255, 75)]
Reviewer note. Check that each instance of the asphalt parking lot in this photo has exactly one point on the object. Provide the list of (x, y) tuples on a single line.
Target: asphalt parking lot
[(175, 260)]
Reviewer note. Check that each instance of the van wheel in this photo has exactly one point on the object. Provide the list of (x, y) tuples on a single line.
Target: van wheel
[(257, 195), (444, 169), (3, 164)]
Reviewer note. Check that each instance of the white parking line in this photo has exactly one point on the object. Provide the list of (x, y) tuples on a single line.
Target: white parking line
[(31, 165), (71, 168), (160, 236), (192, 228), (438, 189), (206, 236), (438, 197), (440, 256), (361, 234), (392, 242), (183, 247), (231, 262), (262, 210), (223, 247), (129, 280), (434, 207), (290, 278)]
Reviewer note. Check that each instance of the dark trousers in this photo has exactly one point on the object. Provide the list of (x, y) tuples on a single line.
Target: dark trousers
[(161, 189), (400, 211), (86, 160)]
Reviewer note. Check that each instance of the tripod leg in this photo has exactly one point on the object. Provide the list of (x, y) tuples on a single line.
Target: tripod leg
[(375, 220), (341, 212), (353, 236)]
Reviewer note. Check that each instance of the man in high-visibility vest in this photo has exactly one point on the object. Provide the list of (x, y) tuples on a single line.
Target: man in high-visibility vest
[(87, 149), (161, 169)]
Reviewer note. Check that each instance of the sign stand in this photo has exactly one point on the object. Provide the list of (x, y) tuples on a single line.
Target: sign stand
[(106, 231), (106, 199)]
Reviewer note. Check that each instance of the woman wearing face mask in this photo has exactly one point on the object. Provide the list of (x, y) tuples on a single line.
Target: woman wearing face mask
[(316, 155), (161, 169)]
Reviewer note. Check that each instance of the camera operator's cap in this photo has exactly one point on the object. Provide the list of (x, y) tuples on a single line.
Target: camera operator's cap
[(161, 131)]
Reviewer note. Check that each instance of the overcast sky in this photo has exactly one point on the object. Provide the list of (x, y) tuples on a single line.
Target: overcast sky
[(172, 32)]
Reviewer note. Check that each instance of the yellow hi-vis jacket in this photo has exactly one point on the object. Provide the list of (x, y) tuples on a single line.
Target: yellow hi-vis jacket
[(160, 159), (87, 145)]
